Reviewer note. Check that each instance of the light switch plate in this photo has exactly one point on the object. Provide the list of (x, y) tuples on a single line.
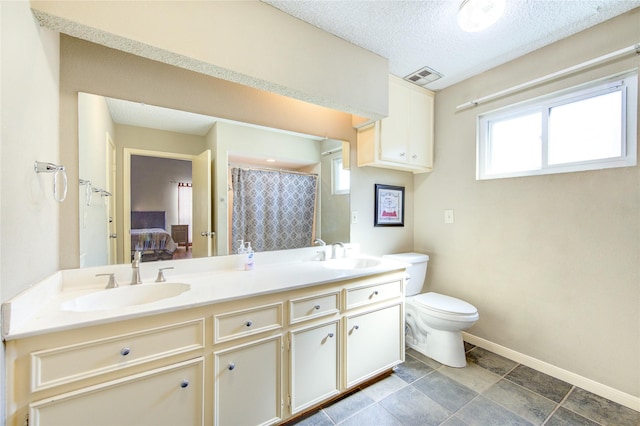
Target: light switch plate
[(448, 216)]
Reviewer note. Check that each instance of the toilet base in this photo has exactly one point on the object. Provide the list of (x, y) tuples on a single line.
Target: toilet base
[(446, 347)]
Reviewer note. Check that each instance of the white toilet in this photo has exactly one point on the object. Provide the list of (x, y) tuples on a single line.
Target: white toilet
[(433, 321)]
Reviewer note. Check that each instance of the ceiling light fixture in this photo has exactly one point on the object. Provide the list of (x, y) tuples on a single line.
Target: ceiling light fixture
[(476, 15)]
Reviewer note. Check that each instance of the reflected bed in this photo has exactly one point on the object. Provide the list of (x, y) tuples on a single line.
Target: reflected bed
[(149, 235)]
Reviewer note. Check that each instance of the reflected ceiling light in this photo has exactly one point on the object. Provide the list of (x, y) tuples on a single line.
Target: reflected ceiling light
[(476, 15)]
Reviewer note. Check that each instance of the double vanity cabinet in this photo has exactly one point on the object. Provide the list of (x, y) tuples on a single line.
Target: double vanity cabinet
[(250, 361)]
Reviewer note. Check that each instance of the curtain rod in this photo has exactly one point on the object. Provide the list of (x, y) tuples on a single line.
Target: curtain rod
[(604, 58), (332, 151), (265, 169)]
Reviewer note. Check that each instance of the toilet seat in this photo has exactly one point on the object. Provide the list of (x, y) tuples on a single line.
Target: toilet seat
[(445, 306)]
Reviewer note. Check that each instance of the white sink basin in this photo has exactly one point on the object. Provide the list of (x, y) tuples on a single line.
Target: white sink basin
[(351, 263), (121, 297)]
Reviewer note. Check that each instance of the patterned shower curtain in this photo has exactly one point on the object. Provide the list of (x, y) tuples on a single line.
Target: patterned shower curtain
[(274, 210)]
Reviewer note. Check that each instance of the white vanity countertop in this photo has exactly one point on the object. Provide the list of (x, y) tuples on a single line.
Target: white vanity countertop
[(217, 279)]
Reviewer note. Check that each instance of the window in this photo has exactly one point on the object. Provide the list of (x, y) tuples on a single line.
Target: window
[(341, 178), (586, 128)]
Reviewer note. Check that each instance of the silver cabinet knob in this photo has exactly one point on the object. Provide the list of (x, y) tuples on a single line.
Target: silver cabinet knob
[(330, 334), (232, 366), (249, 323), (184, 384), (316, 307), (125, 351), (375, 293), (402, 154), (356, 327)]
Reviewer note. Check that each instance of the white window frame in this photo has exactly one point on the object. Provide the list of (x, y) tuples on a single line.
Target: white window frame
[(338, 186), (627, 84)]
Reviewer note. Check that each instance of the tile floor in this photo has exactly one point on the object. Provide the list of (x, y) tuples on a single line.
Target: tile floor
[(491, 390)]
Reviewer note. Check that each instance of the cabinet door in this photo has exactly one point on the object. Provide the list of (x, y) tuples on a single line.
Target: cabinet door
[(420, 133), (248, 383), (375, 342), (314, 365), (393, 129), (166, 396)]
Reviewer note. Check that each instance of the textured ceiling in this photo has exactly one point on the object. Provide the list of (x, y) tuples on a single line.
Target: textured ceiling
[(415, 34)]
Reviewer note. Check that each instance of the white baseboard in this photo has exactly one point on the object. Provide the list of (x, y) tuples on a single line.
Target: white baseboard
[(592, 386)]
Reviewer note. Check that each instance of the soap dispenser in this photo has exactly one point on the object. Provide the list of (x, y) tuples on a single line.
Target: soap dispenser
[(249, 263), (242, 251)]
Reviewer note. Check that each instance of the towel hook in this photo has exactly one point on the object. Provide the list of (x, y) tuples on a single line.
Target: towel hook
[(42, 167)]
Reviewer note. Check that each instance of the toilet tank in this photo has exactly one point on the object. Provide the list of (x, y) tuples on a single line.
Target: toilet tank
[(416, 273)]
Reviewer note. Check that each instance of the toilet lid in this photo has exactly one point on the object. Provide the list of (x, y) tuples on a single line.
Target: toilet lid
[(448, 304)]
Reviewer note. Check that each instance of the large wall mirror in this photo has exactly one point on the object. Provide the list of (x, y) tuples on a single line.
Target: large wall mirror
[(175, 185)]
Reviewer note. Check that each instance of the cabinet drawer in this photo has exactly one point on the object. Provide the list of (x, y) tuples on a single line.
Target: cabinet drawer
[(172, 395), (68, 364), (233, 325), (312, 307), (365, 295)]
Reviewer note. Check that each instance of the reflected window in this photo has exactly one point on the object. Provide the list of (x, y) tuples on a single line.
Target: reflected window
[(341, 178)]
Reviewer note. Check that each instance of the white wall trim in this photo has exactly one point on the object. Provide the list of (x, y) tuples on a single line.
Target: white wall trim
[(592, 386)]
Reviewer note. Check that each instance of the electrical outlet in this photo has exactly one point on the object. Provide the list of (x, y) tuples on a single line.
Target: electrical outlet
[(354, 216), (448, 216)]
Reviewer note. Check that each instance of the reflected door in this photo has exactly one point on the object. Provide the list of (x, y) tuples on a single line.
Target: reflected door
[(111, 202), (201, 193)]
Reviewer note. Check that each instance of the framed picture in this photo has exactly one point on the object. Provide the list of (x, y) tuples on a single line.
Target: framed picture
[(389, 209)]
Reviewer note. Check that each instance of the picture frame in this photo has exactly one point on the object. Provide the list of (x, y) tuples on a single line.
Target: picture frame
[(389, 205)]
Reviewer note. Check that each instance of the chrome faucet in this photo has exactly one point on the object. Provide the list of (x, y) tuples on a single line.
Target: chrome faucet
[(319, 242), (135, 265), (333, 249)]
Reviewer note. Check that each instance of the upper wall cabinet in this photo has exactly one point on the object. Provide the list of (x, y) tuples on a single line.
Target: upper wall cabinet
[(404, 139)]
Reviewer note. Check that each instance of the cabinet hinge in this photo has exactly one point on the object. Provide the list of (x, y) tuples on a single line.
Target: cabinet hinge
[(289, 401)]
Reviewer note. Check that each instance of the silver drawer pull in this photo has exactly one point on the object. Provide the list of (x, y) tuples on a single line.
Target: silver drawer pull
[(232, 366), (375, 293), (316, 307), (330, 334), (184, 384), (249, 323), (125, 351), (356, 327)]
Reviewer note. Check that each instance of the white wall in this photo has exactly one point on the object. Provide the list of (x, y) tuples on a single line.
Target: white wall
[(551, 262), (30, 78), (29, 131)]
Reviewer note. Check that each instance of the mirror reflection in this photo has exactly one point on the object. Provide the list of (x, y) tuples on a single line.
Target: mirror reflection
[(174, 185)]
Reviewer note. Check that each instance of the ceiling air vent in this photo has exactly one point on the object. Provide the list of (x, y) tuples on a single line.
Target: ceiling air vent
[(423, 76)]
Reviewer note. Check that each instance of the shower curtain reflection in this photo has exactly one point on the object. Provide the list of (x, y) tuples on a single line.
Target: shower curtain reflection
[(273, 209)]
